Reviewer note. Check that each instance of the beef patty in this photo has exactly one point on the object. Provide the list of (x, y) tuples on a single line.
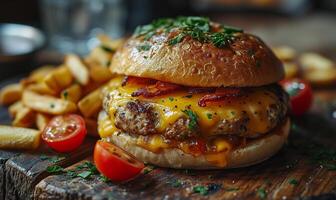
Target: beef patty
[(140, 117)]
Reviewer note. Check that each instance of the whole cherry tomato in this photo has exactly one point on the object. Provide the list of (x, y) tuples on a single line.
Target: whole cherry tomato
[(300, 93)]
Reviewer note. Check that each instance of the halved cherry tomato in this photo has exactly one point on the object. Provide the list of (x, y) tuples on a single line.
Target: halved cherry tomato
[(300, 93), (115, 163), (65, 133)]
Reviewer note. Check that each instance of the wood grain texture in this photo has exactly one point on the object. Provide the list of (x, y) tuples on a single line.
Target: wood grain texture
[(273, 176), (24, 171)]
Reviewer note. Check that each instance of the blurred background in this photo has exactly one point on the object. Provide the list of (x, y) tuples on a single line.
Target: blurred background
[(72, 25)]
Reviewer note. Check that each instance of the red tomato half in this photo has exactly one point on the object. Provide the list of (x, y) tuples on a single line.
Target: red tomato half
[(301, 95), (65, 133), (115, 163)]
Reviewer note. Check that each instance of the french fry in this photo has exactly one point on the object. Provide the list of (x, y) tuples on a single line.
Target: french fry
[(291, 69), (41, 88), (15, 107), (77, 69), (317, 69), (91, 104), (110, 44), (285, 53), (47, 104), (59, 79), (101, 56), (92, 127), (24, 117), (42, 121), (99, 73), (38, 75), (72, 93), (18, 138), (10, 94)]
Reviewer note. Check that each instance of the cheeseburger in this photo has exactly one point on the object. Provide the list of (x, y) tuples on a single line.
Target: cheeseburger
[(192, 93)]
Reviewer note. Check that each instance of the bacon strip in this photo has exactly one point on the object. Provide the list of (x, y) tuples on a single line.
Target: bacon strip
[(137, 81), (157, 89), (221, 94), (197, 90)]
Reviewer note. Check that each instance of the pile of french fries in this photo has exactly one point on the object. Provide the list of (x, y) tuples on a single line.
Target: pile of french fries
[(311, 66), (72, 87)]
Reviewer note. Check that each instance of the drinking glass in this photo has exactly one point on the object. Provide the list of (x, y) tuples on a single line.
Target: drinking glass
[(72, 25)]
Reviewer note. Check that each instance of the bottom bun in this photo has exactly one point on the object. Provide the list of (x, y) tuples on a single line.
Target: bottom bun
[(254, 152)]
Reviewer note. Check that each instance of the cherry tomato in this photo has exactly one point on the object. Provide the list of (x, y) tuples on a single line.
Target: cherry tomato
[(65, 133), (300, 93), (115, 163)]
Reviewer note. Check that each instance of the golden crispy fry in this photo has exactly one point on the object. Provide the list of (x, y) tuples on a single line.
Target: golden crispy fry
[(15, 107), (77, 69), (101, 56), (42, 120), (72, 93), (285, 53), (11, 93), (47, 104), (59, 79), (99, 73), (41, 88), (317, 69), (18, 138), (25, 117), (92, 127), (91, 104), (110, 44), (291, 69), (38, 75)]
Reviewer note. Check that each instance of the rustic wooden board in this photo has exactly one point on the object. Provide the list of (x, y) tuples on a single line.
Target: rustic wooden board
[(24, 171), (275, 177)]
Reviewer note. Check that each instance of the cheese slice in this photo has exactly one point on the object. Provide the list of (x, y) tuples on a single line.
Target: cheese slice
[(172, 106)]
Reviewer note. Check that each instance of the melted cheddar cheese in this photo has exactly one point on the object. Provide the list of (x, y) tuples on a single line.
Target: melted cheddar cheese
[(170, 108)]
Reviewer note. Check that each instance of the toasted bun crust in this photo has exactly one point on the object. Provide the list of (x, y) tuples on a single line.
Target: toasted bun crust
[(247, 61), (256, 151)]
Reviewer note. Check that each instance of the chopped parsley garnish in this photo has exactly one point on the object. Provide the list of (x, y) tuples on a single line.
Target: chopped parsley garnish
[(144, 47), (209, 115), (196, 27), (176, 39), (107, 49), (104, 179), (171, 98), (293, 181), (52, 105), (203, 190), (193, 119), (65, 95), (148, 169), (261, 192), (85, 170), (85, 174), (176, 183), (55, 169)]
